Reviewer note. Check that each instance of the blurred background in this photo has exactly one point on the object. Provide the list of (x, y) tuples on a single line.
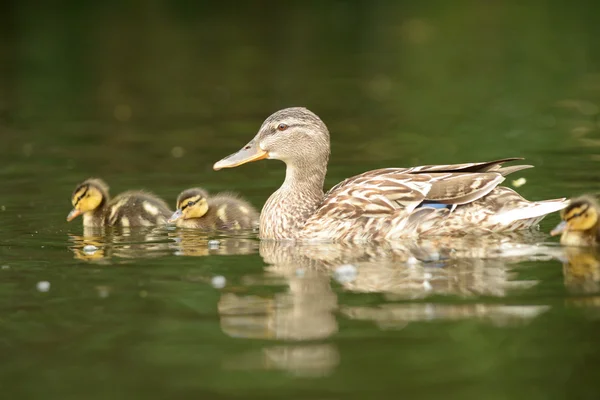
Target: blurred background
[(149, 94)]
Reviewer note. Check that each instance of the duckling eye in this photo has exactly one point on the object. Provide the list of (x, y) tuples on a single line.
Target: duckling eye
[(190, 203), (282, 127)]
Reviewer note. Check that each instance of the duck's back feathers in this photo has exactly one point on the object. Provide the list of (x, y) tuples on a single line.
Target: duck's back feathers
[(137, 208), (452, 199)]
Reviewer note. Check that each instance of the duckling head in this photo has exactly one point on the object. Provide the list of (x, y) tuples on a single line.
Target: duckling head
[(581, 215), (191, 203), (87, 197)]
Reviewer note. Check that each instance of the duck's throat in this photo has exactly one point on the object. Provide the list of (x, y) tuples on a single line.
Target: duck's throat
[(284, 214), (96, 217)]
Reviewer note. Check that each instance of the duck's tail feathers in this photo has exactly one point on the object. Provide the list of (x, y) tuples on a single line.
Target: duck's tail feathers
[(533, 210), (513, 168)]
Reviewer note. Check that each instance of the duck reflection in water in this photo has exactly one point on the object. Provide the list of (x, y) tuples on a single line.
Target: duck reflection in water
[(309, 308)]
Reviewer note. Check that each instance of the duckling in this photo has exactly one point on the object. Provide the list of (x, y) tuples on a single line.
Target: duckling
[(132, 208), (580, 224), (195, 209)]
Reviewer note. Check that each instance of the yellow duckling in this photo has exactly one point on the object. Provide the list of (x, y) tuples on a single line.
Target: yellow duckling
[(195, 209), (133, 208), (580, 225)]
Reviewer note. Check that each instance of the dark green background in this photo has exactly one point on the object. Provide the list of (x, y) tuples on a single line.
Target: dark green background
[(110, 88)]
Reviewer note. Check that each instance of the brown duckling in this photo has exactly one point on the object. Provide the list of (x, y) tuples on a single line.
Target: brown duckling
[(195, 209), (133, 208), (580, 225)]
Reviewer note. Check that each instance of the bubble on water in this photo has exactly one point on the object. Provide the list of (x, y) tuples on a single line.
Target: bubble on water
[(5, 267), (89, 249), (103, 291), (43, 286), (345, 273), (218, 282), (213, 244), (177, 152), (519, 182), (3, 208), (143, 294)]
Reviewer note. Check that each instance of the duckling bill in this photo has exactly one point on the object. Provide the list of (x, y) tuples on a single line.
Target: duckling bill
[(91, 199), (580, 225), (195, 209)]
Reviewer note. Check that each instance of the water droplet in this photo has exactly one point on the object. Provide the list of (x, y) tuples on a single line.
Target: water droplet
[(89, 249), (103, 291), (43, 286), (177, 151), (218, 282), (213, 244)]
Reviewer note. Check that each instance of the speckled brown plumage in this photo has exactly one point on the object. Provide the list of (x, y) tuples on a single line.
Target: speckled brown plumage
[(388, 203)]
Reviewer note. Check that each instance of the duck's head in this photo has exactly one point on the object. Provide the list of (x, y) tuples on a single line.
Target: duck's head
[(191, 203), (87, 197), (579, 216), (294, 135)]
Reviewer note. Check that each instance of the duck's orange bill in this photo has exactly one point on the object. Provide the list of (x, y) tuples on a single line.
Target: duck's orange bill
[(250, 152), (73, 214), (558, 229)]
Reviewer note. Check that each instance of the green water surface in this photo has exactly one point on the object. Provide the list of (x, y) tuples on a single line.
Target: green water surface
[(151, 94)]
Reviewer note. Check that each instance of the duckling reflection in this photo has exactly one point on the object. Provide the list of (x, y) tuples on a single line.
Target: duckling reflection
[(104, 243), (191, 242), (581, 270), (91, 246)]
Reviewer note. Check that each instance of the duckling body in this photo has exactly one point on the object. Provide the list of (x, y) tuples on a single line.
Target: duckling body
[(580, 224), (225, 211), (383, 204), (129, 209)]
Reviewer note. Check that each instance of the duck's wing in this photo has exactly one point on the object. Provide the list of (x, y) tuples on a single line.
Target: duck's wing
[(383, 192)]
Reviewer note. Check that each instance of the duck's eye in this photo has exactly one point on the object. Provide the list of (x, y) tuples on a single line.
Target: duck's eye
[(282, 127), (190, 203)]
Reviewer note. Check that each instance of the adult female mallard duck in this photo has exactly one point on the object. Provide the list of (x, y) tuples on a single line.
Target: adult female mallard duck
[(386, 203), (580, 224), (195, 209), (133, 208)]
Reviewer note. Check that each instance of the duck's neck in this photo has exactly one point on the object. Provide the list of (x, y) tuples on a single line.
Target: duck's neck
[(95, 218), (286, 211)]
